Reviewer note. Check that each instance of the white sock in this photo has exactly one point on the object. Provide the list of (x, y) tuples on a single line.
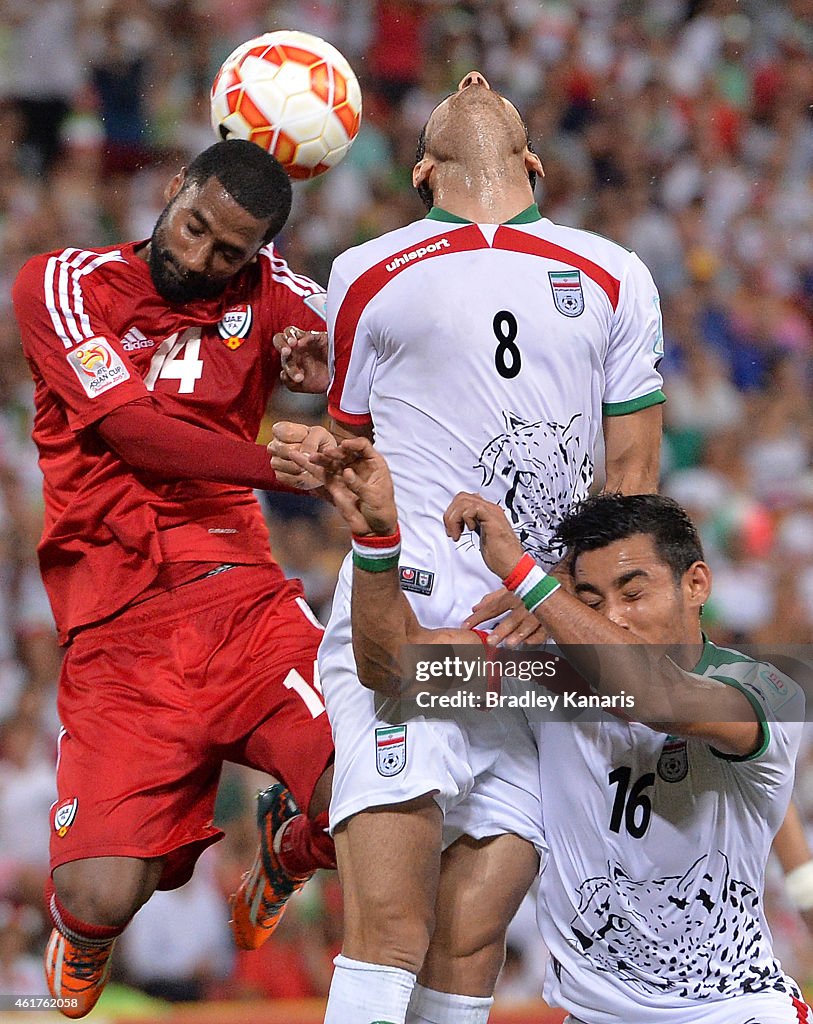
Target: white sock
[(368, 993), (429, 1006)]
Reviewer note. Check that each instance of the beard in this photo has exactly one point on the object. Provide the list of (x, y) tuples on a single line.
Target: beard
[(172, 282)]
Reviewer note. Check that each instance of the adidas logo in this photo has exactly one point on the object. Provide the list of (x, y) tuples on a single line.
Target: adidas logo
[(134, 340)]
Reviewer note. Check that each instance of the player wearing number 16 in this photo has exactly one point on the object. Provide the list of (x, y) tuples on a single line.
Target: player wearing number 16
[(185, 644)]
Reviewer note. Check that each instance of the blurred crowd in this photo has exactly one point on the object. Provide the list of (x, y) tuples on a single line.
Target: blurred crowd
[(681, 128)]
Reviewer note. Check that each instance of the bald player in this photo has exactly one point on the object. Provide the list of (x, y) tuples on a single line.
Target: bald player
[(487, 348)]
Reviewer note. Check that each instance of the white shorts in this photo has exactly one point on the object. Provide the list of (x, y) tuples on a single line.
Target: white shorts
[(758, 1008), (482, 768)]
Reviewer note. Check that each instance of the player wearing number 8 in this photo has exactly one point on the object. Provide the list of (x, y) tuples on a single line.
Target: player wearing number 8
[(185, 644), (484, 345)]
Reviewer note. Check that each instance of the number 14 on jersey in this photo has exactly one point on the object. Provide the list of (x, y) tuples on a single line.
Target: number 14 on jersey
[(177, 358)]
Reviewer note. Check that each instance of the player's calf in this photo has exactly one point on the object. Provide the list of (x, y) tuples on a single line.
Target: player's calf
[(77, 958)]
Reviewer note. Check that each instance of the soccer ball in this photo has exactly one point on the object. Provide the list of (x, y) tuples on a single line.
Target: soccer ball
[(293, 94)]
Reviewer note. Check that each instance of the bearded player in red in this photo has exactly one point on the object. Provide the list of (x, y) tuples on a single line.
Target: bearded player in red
[(185, 644)]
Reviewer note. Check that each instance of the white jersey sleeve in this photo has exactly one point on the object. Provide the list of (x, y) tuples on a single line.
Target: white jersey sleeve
[(352, 354), (779, 704), (632, 380)]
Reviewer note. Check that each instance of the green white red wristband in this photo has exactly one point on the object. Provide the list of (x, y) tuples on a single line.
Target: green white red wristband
[(377, 554), (530, 583)]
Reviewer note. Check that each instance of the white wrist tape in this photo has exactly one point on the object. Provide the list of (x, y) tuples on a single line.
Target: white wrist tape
[(799, 886)]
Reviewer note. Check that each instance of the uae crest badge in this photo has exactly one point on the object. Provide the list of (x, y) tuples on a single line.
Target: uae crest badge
[(673, 764), (568, 296), (235, 325), (64, 815)]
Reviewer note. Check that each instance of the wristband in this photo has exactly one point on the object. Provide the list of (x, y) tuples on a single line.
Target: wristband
[(530, 583), (799, 886), (377, 554)]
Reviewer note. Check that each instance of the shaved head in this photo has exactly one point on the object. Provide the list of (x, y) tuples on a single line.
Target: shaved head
[(477, 131), (475, 126)]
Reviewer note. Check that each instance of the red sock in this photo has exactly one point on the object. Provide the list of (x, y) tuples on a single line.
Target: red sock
[(72, 927), (304, 846)]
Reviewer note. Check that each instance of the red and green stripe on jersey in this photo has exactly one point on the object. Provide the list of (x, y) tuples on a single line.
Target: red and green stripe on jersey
[(455, 239)]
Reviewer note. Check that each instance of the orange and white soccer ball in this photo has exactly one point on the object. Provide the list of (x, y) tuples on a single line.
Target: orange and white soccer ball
[(293, 94)]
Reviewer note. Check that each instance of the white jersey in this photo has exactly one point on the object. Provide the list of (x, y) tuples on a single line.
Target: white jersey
[(485, 356), (651, 897)]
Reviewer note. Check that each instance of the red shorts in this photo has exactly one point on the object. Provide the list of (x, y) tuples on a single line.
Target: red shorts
[(153, 702)]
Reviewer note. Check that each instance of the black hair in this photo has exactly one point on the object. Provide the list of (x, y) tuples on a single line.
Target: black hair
[(425, 192), (605, 518), (251, 176)]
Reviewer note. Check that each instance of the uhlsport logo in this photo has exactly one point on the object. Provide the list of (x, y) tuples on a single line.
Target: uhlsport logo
[(64, 815), (390, 749), (235, 325), (416, 254), (98, 366)]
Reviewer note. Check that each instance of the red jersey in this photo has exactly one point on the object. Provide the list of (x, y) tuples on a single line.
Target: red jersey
[(97, 336)]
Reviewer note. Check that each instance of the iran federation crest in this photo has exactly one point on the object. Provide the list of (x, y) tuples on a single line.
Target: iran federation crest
[(235, 325), (568, 296), (673, 764), (390, 750), (64, 815)]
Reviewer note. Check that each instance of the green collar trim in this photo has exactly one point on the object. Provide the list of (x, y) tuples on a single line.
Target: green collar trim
[(707, 658), (716, 657), (437, 214), (527, 216)]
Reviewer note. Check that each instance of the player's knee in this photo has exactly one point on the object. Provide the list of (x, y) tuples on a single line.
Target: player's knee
[(468, 966), (108, 898), (482, 942), (396, 936), (404, 946), (96, 906)]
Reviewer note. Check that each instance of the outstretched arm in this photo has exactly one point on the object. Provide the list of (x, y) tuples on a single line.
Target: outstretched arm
[(613, 660), (171, 449), (793, 853), (632, 447), (383, 622)]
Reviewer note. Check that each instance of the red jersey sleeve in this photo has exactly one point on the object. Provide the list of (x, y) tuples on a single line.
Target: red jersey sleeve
[(59, 304), (297, 300)]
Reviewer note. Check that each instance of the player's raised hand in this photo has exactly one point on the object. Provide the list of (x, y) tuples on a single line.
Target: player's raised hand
[(303, 355), (289, 439), (519, 626), (499, 546), (358, 480)]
